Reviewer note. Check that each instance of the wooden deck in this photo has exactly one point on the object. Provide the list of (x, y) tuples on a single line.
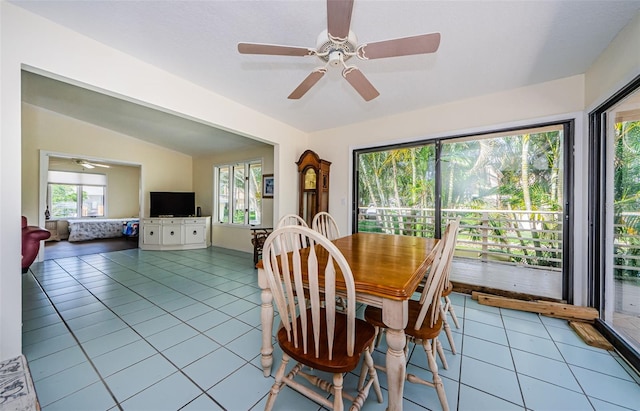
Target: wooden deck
[(508, 279), (626, 316)]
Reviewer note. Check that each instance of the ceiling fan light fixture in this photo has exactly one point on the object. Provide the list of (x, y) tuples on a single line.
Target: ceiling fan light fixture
[(338, 43), (336, 58), (326, 45)]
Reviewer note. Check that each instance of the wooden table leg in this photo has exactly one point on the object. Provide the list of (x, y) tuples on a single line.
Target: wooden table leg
[(266, 320), (396, 368), (395, 316)]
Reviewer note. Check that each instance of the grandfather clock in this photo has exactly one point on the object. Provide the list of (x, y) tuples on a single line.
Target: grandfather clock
[(314, 185)]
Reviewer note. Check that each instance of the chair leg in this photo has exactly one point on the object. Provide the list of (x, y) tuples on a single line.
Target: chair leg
[(363, 390), (379, 336), (437, 381), (338, 404), (438, 347), (452, 312), (447, 329), (373, 375), (406, 347), (275, 388), (364, 369)]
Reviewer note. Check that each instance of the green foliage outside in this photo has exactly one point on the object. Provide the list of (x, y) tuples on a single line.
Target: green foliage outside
[(627, 200), (64, 200), (243, 185), (515, 182)]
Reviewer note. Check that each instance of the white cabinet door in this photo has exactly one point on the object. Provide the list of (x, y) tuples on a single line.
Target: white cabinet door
[(151, 234), (171, 234), (175, 233), (194, 234)]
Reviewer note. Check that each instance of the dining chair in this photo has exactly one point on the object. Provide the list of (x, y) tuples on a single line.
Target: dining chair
[(325, 224), (425, 319), (291, 219), (312, 332), (446, 306)]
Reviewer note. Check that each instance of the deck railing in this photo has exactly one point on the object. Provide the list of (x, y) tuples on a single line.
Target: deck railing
[(627, 246), (528, 238), (520, 237)]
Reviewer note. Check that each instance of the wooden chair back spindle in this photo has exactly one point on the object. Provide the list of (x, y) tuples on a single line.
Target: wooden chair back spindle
[(293, 241), (303, 282), (325, 224), (437, 277), (316, 264)]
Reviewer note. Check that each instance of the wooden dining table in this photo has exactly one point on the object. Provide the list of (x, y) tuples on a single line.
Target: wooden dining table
[(387, 270)]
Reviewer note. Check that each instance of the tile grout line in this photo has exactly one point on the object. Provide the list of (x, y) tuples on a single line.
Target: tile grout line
[(204, 391), (84, 352)]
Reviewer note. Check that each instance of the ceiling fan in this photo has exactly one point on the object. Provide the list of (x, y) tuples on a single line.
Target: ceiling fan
[(88, 164), (338, 44)]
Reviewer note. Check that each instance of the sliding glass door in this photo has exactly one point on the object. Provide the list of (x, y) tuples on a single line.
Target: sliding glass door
[(511, 189), (614, 217), (620, 307), (396, 190)]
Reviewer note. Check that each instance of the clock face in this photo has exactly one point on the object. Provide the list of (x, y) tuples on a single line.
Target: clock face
[(310, 179)]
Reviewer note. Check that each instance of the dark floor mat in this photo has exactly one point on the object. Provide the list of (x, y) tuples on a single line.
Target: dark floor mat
[(64, 249)]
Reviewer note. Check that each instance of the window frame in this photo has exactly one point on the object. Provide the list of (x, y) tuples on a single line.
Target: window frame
[(230, 168), (597, 217), (568, 126), (79, 181)]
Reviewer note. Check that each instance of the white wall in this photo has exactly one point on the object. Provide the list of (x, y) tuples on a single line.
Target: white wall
[(236, 238), (163, 169), (47, 48), (122, 193), (616, 66), (28, 39), (558, 98)]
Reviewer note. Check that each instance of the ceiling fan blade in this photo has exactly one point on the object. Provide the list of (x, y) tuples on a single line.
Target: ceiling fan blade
[(274, 50), (88, 164), (307, 83), (421, 44), (359, 82), (339, 18)]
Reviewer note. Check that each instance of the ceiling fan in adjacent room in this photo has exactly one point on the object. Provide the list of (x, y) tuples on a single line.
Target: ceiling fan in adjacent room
[(338, 44), (89, 164)]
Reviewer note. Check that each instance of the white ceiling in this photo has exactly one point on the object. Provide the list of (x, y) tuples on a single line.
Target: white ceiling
[(158, 127), (487, 46)]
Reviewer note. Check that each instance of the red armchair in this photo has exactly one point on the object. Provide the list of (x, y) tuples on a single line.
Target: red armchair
[(31, 237)]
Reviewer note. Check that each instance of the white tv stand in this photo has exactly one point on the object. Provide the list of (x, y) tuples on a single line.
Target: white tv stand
[(180, 233)]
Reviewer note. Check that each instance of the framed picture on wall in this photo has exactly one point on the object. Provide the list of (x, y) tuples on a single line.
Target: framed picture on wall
[(268, 186)]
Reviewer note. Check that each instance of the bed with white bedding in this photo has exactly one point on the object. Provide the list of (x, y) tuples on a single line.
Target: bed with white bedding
[(94, 228)]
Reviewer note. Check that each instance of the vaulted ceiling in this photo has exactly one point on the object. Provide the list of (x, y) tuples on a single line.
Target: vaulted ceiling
[(486, 47)]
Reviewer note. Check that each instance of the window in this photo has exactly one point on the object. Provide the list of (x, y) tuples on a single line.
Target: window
[(614, 200), (239, 193), (72, 194), (511, 188)]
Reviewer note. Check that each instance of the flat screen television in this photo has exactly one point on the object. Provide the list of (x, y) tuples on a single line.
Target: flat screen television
[(172, 204)]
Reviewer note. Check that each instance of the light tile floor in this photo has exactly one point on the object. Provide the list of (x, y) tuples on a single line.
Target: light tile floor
[(144, 330)]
